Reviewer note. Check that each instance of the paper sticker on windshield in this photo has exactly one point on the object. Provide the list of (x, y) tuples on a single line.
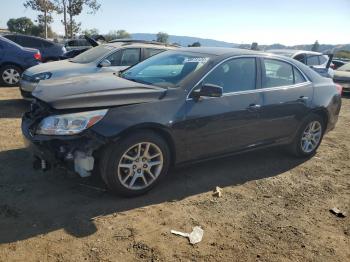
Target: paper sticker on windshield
[(202, 60)]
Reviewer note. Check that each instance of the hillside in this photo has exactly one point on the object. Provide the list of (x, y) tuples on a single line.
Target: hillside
[(188, 40)]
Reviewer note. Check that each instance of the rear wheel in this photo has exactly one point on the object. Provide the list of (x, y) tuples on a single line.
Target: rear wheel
[(136, 164), (309, 136), (10, 75)]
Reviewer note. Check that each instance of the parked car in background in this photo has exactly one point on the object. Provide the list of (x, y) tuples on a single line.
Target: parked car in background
[(317, 61), (49, 50), (14, 59), (73, 51), (342, 77), (177, 107), (338, 63), (110, 57)]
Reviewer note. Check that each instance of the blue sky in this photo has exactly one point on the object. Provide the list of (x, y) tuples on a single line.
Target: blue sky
[(239, 21)]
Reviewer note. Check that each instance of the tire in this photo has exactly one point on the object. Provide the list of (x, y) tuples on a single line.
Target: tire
[(10, 75), (126, 171), (299, 146)]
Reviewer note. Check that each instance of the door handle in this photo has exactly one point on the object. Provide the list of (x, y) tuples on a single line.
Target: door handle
[(253, 107)]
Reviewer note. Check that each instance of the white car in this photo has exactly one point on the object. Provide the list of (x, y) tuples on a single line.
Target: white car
[(317, 61), (110, 57)]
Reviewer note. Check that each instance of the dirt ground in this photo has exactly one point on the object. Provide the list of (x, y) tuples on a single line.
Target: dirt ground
[(274, 207)]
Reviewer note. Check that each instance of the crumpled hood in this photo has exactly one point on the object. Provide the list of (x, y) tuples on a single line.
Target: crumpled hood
[(97, 90), (60, 68)]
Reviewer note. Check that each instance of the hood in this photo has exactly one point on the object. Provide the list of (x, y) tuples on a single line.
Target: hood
[(59, 68), (97, 90), (343, 75)]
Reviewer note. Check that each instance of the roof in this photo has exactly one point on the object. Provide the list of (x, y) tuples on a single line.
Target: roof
[(119, 44), (291, 52), (220, 51)]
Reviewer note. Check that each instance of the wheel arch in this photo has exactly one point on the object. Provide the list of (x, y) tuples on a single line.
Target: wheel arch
[(323, 113), (11, 63), (159, 129)]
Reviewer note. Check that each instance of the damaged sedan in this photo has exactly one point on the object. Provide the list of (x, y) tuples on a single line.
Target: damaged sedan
[(178, 107)]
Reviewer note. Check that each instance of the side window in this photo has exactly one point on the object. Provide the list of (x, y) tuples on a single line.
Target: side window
[(46, 44), (312, 60), (148, 52), (323, 59), (277, 73), (301, 58), (298, 78), (234, 75), (130, 57), (115, 58)]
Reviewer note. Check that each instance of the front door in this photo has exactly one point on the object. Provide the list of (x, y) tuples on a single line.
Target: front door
[(224, 124)]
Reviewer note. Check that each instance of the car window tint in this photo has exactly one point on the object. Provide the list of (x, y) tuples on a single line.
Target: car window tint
[(47, 44), (130, 57), (313, 60), (148, 52), (11, 37), (277, 73), (234, 75), (298, 78), (115, 58), (30, 42)]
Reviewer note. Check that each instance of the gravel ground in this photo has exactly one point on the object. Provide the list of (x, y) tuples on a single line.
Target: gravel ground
[(273, 208)]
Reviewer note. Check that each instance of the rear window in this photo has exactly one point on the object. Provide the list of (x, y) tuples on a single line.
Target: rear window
[(92, 54), (323, 59), (148, 52), (313, 60)]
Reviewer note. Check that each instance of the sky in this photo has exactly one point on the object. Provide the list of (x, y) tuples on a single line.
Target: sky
[(288, 22)]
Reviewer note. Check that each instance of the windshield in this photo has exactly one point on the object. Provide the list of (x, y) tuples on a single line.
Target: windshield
[(92, 54), (167, 69), (345, 67)]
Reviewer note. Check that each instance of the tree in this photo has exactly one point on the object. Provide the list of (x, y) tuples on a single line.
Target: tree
[(90, 32), (21, 25), (195, 44), (316, 46), (122, 34), (74, 8), (46, 7), (162, 37)]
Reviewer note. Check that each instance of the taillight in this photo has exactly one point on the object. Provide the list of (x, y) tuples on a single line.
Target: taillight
[(339, 88), (332, 66), (37, 56)]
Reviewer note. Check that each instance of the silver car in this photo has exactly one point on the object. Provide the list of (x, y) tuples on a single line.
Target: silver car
[(317, 61), (110, 57)]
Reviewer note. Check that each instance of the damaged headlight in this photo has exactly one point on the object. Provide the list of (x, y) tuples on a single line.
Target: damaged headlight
[(69, 124), (42, 76)]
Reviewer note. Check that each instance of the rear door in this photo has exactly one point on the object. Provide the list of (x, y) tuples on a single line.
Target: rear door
[(224, 124), (287, 95)]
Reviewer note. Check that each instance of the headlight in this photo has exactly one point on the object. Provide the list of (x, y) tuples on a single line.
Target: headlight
[(42, 76), (69, 124)]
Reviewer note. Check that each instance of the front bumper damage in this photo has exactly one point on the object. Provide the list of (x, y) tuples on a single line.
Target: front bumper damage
[(76, 153)]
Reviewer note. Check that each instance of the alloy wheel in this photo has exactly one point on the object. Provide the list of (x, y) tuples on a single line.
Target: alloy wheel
[(140, 165), (311, 137), (11, 76)]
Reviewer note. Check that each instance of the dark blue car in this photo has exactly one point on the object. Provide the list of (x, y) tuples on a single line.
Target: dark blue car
[(14, 59), (49, 50)]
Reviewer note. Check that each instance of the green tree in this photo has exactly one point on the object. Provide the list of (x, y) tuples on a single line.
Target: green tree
[(90, 32), (21, 25), (72, 8), (316, 46), (46, 7), (122, 34), (162, 37), (195, 44)]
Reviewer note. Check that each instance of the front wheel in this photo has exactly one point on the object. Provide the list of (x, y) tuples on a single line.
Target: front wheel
[(10, 75), (309, 136), (136, 164)]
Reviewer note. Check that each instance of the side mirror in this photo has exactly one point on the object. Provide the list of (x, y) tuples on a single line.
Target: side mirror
[(208, 90), (105, 63)]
